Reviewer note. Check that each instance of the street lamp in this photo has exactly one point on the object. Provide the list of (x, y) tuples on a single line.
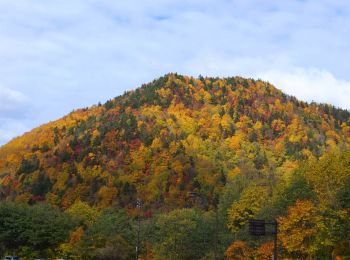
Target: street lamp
[(138, 206)]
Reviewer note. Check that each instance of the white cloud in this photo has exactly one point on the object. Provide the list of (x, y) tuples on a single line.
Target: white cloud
[(311, 85), (63, 55), (10, 128), (11, 102), (13, 113)]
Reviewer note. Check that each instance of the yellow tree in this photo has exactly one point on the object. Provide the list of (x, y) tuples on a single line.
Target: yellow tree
[(246, 207), (328, 175), (239, 250), (265, 251), (83, 213), (298, 229)]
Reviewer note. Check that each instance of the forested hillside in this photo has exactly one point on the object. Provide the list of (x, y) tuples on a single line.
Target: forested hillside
[(203, 155)]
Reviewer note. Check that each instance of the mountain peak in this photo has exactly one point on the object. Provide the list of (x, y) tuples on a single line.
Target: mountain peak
[(171, 136)]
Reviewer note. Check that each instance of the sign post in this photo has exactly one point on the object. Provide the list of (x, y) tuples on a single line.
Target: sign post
[(257, 227)]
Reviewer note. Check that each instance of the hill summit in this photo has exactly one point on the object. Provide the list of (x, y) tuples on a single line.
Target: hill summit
[(166, 139)]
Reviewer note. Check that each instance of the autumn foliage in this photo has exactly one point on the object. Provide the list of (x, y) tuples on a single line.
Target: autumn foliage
[(246, 148)]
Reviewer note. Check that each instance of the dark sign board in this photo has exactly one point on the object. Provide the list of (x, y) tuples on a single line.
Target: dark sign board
[(257, 227)]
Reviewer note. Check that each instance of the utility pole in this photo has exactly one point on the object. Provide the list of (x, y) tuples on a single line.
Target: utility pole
[(216, 233), (275, 223), (216, 239), (138, 206)]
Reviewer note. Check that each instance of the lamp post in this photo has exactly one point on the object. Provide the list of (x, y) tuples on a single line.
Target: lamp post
[(138, 206)]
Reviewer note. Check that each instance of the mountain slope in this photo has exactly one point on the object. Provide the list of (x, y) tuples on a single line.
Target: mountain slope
[(174, 135)]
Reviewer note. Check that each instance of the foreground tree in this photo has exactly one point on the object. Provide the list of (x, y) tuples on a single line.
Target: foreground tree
[(297, 230), (239, 250), (32, 231), (183, 234), (249, 204), (110, 236)]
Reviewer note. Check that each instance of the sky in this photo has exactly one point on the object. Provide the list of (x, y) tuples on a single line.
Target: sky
[(60, 55)]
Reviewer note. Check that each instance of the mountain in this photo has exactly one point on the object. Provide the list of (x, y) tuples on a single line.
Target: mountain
[(170, 137)]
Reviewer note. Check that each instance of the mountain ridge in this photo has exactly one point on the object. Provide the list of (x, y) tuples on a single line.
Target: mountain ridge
[(173, 135), (342, 110)]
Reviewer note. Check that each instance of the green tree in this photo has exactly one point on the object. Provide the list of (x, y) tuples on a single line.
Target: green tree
[(297, 189), (116, 248), (32, 230), (97, 241), (12, 226), (183, 234), (48, 227)]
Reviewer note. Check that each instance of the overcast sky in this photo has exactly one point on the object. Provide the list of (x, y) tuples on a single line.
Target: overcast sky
[(59, 55)]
